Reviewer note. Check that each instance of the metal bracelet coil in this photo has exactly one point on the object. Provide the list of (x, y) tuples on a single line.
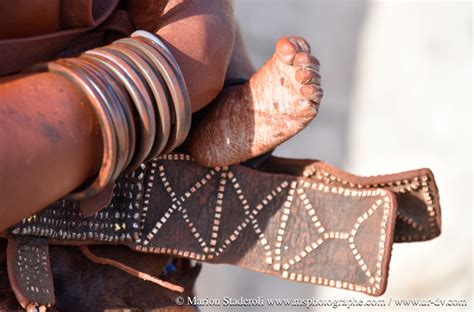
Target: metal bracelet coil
[(166, 64), (137, 90), (118, 114), (122, 98), (159, 90), (179, 93), (185, 104), (127, 104), (146, 93), (109, 158), (161, 69), (139, 95)]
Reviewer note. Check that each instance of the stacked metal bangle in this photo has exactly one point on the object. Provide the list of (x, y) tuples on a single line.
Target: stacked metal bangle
[(139, 95)]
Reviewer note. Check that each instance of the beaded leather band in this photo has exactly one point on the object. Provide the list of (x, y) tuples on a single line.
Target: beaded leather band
[(302, 220)]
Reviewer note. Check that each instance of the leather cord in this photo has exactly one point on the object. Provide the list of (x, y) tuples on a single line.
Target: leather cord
[(145, 276)]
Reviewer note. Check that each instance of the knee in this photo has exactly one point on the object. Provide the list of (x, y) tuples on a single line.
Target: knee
[(202, 42), (211, 59)]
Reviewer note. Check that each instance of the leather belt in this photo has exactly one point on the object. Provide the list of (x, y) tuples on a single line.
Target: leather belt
[(302, 220)]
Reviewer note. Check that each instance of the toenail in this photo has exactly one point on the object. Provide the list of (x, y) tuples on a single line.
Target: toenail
[(307, 75), (304, 45), (286, 47), (296, 43), (285, 51), (306, 60), (309, 90), (313, 89)]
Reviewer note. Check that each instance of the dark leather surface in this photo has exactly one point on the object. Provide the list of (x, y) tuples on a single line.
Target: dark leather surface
[(419, 212), (298, 219), (81, 285)]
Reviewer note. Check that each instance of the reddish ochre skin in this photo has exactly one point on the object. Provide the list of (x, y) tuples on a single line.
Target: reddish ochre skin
[(22, 18), (47, 147), (49, 137)]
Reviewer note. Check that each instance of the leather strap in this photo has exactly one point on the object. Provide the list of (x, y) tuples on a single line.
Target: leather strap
[(29, 272), (419, 212), (291, 227), (301, 220)]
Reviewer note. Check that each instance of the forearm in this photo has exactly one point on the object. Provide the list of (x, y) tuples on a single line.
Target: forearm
[(49, 139), (49, 143)]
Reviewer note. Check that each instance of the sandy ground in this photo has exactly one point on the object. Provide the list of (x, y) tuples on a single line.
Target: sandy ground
[(397, 78)]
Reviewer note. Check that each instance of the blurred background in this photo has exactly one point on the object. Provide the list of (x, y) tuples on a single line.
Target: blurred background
[(397, 77)]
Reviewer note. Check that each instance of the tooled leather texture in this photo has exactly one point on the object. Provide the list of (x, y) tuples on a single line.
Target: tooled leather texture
[(300, 220)]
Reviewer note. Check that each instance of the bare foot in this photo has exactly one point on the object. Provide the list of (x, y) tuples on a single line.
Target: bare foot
[(279, 100)]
